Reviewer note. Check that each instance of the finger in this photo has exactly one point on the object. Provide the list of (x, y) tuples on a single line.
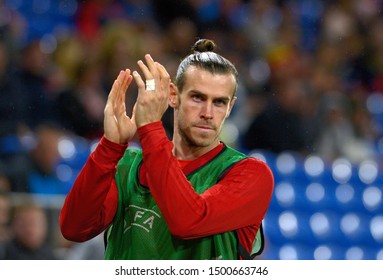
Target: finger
[(110, 103), (164, 76), (125, 80), (118, 91), (140, 83), (152, 66), (125, 83), (163, 73), (145, 70), (116, 86)]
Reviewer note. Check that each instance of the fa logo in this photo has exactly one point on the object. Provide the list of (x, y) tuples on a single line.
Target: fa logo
[(140, 217)]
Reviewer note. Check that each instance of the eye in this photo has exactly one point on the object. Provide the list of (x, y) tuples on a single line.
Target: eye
[(220, 102), (197, 97)]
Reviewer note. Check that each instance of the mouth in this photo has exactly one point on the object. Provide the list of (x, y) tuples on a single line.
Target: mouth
[(204, 127)]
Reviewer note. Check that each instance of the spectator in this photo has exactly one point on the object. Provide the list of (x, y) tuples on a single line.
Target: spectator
[(32, 76), (37, 174), (12, 105), (337, 137), (5, 205), (5, 182), (279, 126), (29, 231), (80, 109)]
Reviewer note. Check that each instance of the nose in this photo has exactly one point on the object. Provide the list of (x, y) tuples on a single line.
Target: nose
[(207, 111)]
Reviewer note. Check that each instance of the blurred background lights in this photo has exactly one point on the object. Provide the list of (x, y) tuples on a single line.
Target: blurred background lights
[(354, 253), (258, 155), (380, 145), (344, 193), (28, 141), (285, 163), (372, 198), (40, 6), (349, 223), (368, 171), (285, 194), (315, 192), (134, 146), (48, 44), (322, 253), (288, 223), (341, 170), (64, 172), (259, 71), (314, 166), (230, 133), (6, 17), (13, 4), (379, 255), (327, 200), (93, 145), (319, 224), (288, 252), (66, 148), (68, 7), (376, 228), (374, 103)]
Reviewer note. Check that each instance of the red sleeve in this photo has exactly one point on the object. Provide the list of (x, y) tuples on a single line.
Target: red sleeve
[(239, 200), (92, 202)]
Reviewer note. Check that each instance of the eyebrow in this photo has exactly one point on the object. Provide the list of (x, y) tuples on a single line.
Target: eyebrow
[(224, 98)]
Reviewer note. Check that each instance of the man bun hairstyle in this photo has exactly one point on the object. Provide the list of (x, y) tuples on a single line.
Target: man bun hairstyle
[(203, 56), (203, 45)]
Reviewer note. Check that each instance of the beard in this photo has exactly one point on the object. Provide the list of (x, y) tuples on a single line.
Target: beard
[(192, 139)]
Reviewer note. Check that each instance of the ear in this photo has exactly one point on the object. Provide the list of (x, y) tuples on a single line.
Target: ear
[(173, 97), (231, 106)]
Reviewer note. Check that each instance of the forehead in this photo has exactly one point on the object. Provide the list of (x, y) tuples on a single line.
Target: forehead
[(201, 80)]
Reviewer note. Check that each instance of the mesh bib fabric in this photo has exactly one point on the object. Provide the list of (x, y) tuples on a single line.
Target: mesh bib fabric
[(139, 230)]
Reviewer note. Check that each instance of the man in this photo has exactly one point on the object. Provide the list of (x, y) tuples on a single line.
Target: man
[(190, 198), (29, 227)]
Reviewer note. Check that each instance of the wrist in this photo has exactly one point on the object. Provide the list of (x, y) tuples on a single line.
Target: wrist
[(148, 127)]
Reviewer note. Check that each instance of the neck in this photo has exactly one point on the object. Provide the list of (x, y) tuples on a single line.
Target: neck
[(186, 151)]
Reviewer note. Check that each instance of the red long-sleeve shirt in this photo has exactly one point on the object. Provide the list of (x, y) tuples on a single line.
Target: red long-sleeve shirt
[(238, 201)]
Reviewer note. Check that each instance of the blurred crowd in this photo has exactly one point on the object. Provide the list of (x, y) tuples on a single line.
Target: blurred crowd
[(311, 81)]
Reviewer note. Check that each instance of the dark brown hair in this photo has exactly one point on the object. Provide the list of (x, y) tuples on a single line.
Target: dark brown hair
[(204, 56)]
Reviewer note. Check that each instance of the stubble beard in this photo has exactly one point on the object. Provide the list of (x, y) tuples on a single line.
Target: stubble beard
[(194, 142)]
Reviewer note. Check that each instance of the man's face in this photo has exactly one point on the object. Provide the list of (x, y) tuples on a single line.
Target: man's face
[(204, 103), (30, 227)]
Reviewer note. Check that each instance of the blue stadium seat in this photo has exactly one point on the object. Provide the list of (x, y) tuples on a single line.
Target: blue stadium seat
[(284, 197), (348, 198), (360, 253), (342, 170), (376, 229), (288, 226), (368, 172), (289, 166), (264, 155), (318, 197), (329, 251), (378, 253), (325, 227), (372, 199), (295, 251), (356, 229)]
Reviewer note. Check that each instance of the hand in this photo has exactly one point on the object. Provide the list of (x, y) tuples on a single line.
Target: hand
[(151, 104), (118, 127)]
